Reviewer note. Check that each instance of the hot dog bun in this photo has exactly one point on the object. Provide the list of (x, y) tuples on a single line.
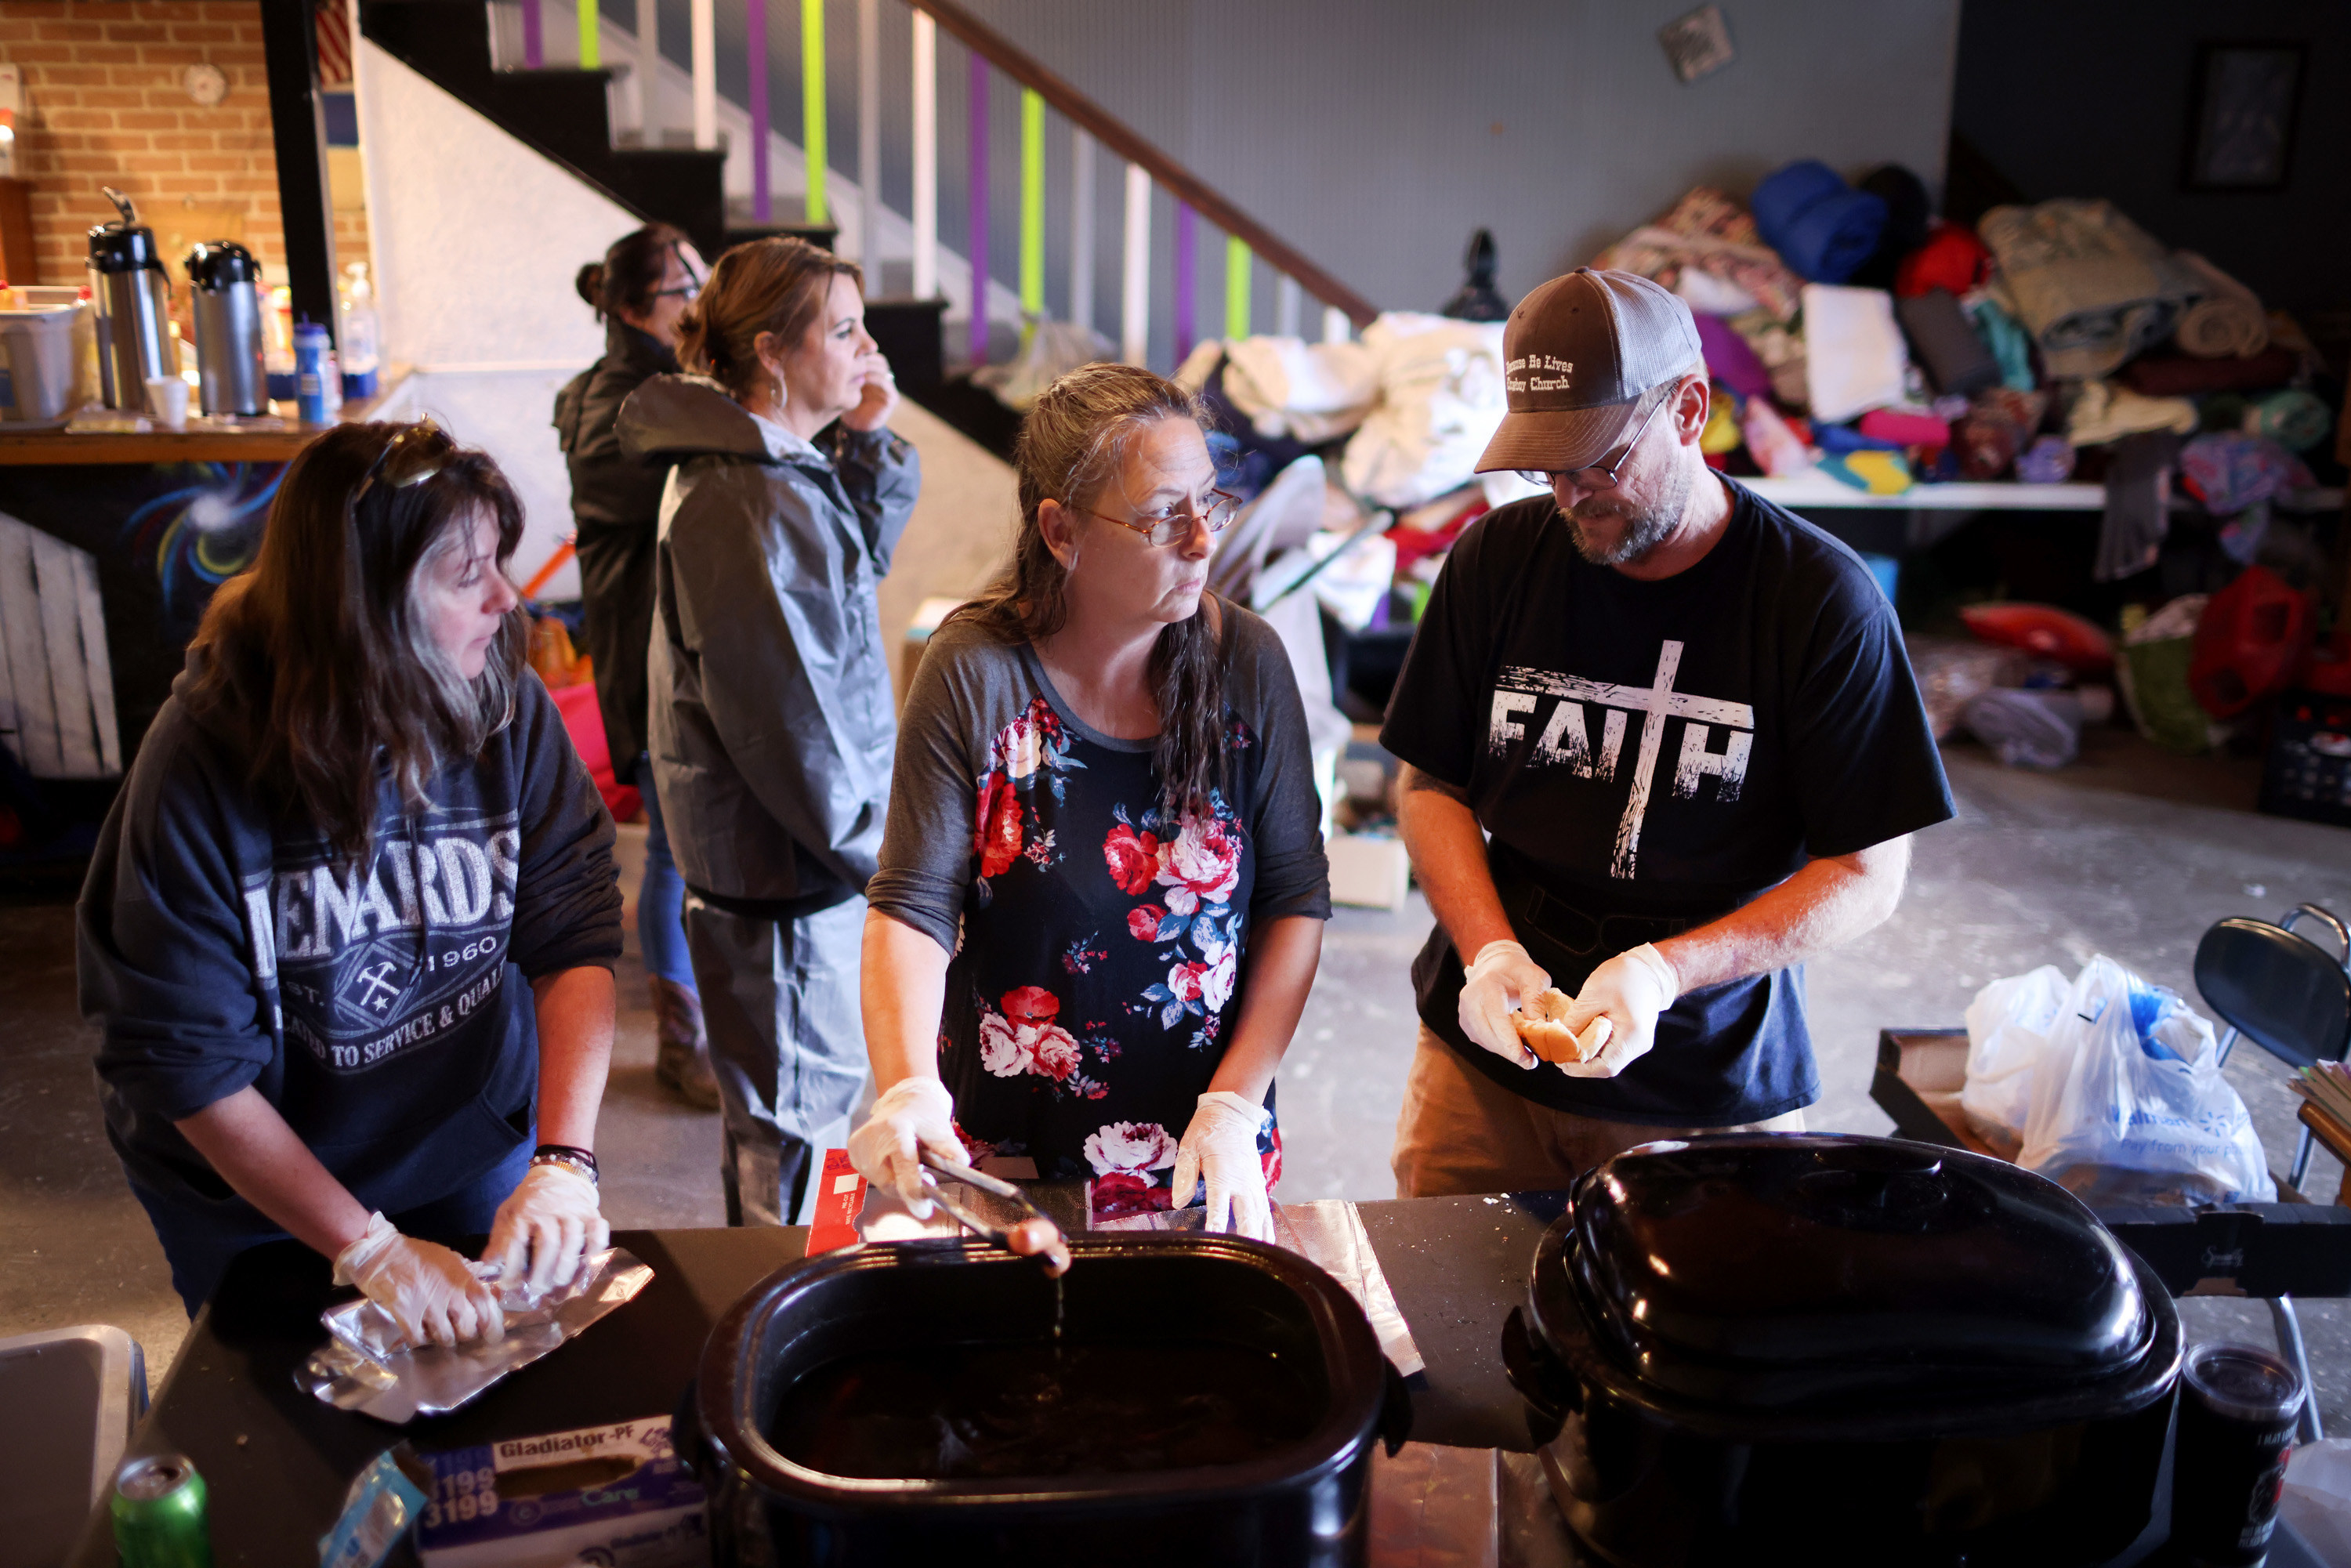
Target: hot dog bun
[(1541, 1023)]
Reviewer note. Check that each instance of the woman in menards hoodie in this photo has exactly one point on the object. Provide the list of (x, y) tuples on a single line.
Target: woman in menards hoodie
[(772, 723), (355, 826)]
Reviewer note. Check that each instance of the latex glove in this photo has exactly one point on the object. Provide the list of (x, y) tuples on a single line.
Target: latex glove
[(429, 1291), (912, 1114), (1501, 979), (1624, 995), (552, 1220), (1220, 1147)]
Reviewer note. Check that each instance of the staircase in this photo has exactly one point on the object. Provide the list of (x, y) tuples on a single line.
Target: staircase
[(566, 112)]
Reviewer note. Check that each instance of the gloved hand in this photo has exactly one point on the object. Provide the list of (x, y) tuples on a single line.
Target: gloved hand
[(1628, 991), (1500, 977), (552, 1220), (429, 1291), (1220, 1146), (913, 1114)]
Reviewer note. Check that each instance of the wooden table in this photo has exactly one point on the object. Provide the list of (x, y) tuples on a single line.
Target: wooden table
[(2336, 1139)]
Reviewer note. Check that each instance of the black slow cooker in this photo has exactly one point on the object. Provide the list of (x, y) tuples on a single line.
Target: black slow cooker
[(1831, 1349), (859, 1334)]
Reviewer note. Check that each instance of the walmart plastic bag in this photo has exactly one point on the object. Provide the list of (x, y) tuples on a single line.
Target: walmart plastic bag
[(2128, 1103), (2008, 1034)]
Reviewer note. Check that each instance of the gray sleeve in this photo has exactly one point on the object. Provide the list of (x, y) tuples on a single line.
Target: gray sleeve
[(928, 843), (881, 473), (1292, 876)]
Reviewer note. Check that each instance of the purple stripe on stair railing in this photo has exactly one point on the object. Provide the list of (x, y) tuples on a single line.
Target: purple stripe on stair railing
[(978, 244), (534, 43), (755, 46), (1188, 274)]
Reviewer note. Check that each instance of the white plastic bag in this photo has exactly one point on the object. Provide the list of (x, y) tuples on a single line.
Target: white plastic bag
[(2008, 1035), (2128, 1103)]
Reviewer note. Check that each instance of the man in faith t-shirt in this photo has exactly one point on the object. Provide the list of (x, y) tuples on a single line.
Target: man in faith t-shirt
[(1662, 744)]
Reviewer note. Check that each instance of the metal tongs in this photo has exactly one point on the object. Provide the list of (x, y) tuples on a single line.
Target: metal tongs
[(1056, 1256)]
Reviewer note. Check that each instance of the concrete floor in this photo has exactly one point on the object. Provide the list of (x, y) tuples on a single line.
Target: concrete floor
[(2131, 854)]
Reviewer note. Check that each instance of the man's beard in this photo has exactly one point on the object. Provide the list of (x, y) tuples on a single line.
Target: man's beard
[(1644, 529)]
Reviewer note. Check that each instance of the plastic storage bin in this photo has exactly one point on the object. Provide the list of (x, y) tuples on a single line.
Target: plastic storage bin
[(71, 1397), (43, 369)]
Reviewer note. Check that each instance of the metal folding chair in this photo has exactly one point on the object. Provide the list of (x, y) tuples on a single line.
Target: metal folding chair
[(2288, 995)]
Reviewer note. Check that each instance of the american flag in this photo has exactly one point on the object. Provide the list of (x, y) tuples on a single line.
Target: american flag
[(334, 28)]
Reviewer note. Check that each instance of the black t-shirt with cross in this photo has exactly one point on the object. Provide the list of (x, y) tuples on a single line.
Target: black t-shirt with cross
[(1649, 756)]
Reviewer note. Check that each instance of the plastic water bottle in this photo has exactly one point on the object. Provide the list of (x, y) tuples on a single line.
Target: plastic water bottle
[(311, 368), (362, 334)]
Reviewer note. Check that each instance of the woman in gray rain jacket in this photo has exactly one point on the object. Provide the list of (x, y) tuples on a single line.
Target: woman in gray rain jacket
[(772, 734)]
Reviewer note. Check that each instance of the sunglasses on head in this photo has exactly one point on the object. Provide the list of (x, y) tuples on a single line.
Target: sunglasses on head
[(411, 458)]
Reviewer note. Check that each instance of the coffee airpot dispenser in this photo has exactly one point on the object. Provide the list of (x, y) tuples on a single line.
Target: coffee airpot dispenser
[(225, 283), (133, 295)]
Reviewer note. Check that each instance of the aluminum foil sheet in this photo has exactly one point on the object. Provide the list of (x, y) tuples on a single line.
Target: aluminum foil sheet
[(368, 1364), (1328, 1233)]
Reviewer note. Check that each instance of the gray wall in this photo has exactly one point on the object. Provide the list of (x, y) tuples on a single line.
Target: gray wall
[(1374, 135), (2092, 98)]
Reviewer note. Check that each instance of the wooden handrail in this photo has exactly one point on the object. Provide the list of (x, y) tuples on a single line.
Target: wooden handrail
[(1181, 183)]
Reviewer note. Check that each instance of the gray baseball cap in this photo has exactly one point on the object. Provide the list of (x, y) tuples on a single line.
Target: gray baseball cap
[(1577, 354)]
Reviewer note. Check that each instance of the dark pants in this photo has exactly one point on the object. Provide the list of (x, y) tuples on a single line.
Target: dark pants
[(199, 1245), (779, 1003)]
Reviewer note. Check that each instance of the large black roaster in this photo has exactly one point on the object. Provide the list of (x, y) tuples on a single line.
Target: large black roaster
[(1837, 1350), (1212, 1401)]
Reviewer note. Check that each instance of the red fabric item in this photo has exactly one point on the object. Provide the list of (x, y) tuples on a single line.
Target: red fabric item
[(585, 723), (2045, 630), (2253, 637), (1412, 544), (1952, 259), (2179, 375), (1906, 429)]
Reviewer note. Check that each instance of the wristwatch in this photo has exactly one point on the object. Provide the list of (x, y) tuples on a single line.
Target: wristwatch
[(578, 1160)]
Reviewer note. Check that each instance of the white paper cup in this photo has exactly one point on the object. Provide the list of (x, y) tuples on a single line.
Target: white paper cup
[(167, 400)]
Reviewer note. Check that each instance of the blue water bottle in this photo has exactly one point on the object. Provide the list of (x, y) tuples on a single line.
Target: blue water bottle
[(310, 347)]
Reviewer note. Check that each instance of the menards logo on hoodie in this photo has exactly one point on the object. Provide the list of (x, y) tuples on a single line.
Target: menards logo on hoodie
[(371, 963)]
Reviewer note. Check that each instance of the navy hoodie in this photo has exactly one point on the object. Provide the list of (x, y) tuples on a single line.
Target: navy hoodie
[(384, 1010)]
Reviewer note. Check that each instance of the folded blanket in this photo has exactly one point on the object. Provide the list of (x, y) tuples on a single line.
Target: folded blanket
[(1709, 233), (2091, 286), (1854, 358), (2227, 323), (1821, 226), (2177, 375), (2106, 411)]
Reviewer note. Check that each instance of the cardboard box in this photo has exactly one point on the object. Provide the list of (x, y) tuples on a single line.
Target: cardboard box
[(615, 1496)]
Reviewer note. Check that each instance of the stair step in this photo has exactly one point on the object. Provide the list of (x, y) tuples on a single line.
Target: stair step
[(909, 332)]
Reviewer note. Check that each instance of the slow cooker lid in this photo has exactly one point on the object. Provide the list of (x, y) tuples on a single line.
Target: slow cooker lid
[(1774, 1270)]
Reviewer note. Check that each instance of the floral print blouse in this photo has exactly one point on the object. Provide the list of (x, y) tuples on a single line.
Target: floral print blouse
[(1100, 946)]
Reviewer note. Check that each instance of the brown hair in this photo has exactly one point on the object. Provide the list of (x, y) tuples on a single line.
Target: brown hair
[(1073, 442), (318, 654), (631, 271), (766, 286)]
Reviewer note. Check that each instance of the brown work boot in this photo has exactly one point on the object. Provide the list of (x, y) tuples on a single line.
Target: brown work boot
[(682, 1060)]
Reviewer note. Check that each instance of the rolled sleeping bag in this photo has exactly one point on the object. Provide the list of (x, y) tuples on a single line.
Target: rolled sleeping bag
[(1822, 229), (2227, 322)]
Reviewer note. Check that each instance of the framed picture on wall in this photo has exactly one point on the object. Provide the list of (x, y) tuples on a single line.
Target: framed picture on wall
[(2240, 127)]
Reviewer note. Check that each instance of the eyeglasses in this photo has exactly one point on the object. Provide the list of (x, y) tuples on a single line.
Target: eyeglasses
[(1172, 528), (1597, 478), (413, 456), (689, 290)]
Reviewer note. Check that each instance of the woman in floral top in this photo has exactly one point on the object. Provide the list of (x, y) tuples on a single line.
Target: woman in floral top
[(1101, 886)]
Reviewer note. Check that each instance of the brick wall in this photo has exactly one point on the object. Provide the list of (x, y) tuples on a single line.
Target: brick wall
[(107, 107)]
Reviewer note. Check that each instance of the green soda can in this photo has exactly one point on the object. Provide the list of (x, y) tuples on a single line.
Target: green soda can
[(158, 1514)]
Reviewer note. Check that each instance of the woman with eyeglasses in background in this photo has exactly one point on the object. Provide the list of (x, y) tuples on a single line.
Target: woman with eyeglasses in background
[(640, 291), (351, 839), (1101, 895), (772, 720)]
